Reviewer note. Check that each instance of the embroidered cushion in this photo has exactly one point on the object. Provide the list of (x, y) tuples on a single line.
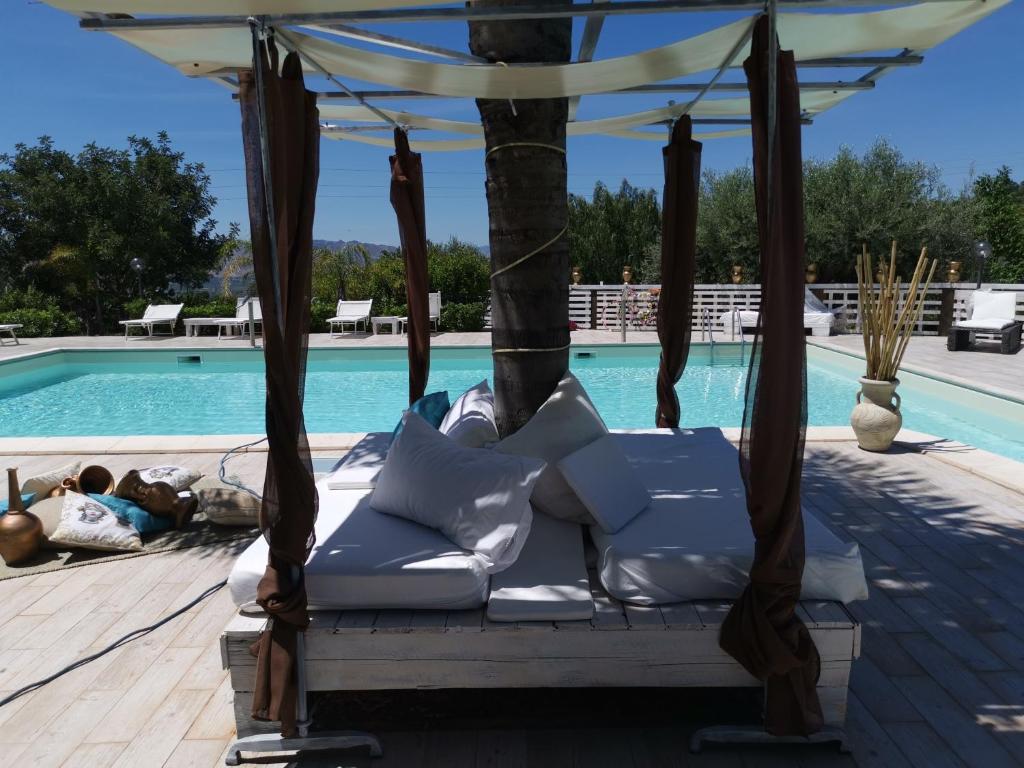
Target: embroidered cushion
[(86, 523)]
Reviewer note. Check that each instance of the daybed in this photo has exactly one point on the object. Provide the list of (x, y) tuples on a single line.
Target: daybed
[(818, 319), (390, 596), (993, 313)]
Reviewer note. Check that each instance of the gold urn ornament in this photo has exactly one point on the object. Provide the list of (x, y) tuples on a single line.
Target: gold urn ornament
[(737, 274), (577, 275), (953, 275), (627, 274), (20, 530), (811, 273)]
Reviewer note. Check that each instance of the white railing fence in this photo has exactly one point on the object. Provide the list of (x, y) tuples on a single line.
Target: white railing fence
[(604, 307)]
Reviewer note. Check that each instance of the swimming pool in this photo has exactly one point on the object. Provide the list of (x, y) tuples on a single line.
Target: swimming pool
[(175, 392)]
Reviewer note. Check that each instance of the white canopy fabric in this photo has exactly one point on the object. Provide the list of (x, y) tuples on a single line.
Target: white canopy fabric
[(227, 50)]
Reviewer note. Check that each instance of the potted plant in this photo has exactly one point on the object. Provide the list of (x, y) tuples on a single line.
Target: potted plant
[(887, 320)]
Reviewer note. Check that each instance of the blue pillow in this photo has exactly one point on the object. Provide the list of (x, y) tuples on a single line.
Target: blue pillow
[(26, 499), (141, 520), (432, 408)]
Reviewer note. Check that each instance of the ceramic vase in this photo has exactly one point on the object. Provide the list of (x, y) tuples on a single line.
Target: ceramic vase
[(20, 530), (876, 418)]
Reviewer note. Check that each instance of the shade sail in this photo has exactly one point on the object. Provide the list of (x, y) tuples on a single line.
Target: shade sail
[(229, 7), (808, 35), (762, 630), (282, 241), (678, 264)]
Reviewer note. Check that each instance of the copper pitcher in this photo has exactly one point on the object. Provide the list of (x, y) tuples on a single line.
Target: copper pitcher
[(20, 530), (91, 479)]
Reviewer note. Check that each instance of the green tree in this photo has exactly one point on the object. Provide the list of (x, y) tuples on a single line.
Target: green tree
[(334, 268), (70, 225), (458, 270), (726, 226), (613, 229), (1000, 203)]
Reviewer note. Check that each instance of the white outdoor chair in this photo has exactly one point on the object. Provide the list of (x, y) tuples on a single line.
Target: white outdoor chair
[(241, 318), (992, 312), (10, 328), (434, 312), (351, 313), (155, 314)]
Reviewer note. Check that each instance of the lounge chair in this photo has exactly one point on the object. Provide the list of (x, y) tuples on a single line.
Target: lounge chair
[(10, 328), (818, 319), (155, 314), (351, 313), (993, 312), (433, 313), (241, 318)]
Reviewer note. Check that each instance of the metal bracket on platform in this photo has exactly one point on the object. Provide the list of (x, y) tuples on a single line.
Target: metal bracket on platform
[(736, 734), (319, 742)]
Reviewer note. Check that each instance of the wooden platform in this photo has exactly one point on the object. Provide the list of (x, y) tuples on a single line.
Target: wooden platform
[(622, 646)]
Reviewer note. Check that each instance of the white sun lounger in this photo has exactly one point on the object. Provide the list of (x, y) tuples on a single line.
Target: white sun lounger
[(818, 319), (10, 328), (351, 313), (155, 314), (433, 312), (992, 312)]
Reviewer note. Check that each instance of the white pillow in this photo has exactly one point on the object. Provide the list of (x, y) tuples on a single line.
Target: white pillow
[(564, 424), (470, 421), (86, 523), (226, 505), (179, 478), (42, 484), (477, 498), (602, 477)]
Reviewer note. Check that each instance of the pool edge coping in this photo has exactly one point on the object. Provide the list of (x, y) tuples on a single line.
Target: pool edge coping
[(1000, 470)]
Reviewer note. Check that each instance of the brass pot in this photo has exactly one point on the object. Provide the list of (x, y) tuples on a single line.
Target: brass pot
[(811, 273), (20, 530), (577, 275), (627, 274), (953, 275), (737, 274)]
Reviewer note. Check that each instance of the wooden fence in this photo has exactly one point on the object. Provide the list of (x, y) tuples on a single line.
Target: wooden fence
[(603, 307)]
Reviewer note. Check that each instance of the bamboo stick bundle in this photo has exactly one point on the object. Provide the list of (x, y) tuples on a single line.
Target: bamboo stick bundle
[(887, 322)]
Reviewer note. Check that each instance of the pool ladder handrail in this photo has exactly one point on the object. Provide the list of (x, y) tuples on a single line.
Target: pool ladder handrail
[(736, 319), (705, 325)]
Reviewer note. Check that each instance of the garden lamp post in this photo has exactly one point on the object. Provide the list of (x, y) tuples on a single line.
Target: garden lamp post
[(137, 265), (982, 252)]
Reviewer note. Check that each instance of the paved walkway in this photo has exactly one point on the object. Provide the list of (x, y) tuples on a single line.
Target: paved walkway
[(940, 683)]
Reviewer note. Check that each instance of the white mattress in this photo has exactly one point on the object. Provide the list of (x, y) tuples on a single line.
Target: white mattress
[(548, 582), (359, 468), (694, 542), (365, 559), (748, 318)]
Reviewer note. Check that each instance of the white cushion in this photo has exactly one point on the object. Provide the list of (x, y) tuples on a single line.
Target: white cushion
[(994, 306), (470, 420), (605, 482), (694, 541), (565, 423), (42, 484), (549, 580), (982, 324), (178, 478), (362, 464), (86, 523), (365, 560), (477, 498)]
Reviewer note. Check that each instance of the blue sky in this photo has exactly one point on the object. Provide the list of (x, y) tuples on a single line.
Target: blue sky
[(962, 110)]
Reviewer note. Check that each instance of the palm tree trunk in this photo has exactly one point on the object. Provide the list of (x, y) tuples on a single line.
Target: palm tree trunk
[(527, 204)]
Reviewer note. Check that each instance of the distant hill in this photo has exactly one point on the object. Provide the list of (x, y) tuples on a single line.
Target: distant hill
[(374, 249)]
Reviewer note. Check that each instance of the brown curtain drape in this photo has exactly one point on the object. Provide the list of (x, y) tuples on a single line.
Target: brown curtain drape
[(678, 263), (407, 200), (762, 631), (282, 241)]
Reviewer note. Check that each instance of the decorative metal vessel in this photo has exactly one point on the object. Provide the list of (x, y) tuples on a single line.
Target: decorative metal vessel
[(953, 275), (811, 273), (577, 275), (20, 530), (737, 274), (92, 479), (627, 274)]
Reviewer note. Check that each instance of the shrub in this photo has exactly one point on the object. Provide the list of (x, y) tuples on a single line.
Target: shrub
[(463, 317), (222, 307), (42, 322), (319, 311)]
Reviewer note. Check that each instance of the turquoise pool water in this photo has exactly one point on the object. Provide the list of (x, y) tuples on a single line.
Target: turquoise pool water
[(221, 392)]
